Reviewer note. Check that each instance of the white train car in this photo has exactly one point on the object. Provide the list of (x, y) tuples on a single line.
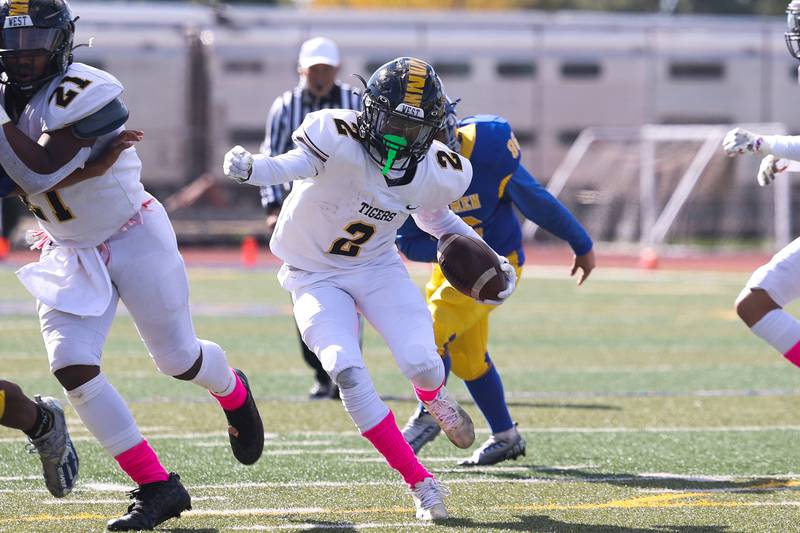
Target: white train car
[(199, 81)]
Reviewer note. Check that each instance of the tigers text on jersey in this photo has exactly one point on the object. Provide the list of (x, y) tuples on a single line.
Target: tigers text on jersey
[(89, 212), (349, 214)]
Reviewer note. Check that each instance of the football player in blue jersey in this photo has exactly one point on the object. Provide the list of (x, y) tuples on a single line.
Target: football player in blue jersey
[(461, 324)]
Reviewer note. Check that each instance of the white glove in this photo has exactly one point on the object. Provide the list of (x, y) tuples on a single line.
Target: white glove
[(770, 166), (738, 141), (238, 164), (511, 282)]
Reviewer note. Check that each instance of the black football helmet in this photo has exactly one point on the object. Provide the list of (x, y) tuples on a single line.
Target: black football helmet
[(792, 34), (403, 109), (36, 41)]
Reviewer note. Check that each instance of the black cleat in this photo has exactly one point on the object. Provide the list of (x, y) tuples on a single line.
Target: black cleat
[(323, 390), (153, 504), (246, 431)]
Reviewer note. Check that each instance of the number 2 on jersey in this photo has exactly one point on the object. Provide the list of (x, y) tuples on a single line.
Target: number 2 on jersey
[(361, 233)]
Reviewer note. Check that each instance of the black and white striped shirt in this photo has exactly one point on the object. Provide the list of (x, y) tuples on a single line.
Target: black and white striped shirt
[(286, 115)]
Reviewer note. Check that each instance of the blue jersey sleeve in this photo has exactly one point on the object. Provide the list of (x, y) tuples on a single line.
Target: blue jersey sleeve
[(544, 209), (415, 243)]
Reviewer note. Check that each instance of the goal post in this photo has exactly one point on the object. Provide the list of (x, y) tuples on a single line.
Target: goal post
[(657, 171)]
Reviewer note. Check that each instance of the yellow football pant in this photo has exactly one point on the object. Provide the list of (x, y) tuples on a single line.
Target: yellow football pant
[(461, 325), (2, 403)]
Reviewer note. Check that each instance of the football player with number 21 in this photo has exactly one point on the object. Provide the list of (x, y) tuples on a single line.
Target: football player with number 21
[(774, 285), (103, 240), (359, 176)]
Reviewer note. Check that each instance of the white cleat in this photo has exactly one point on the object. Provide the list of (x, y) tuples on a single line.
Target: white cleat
[(454, 421), (429, 497), (59, 458), (498, 448)]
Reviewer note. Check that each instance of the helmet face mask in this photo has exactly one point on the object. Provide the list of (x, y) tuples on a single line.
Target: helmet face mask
[(403, 110), (792, 34), (25, 67), (449, 134), (35, 42)]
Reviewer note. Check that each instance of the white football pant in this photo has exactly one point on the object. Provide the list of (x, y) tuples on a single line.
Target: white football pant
[(325, 307), (780, 278), (148, 274)]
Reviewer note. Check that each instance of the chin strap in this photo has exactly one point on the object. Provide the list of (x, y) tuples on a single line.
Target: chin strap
[(394, 143)]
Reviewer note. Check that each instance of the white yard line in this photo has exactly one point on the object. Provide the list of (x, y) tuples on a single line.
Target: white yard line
[(103, 487), (327, 442)]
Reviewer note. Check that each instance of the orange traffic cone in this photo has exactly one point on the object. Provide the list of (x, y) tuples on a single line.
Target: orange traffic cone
[(249, 251), (648, 258), (5, 248)]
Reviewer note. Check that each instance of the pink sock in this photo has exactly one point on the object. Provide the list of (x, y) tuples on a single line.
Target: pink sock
[(235, 399), (141, 464), (427, 396), (793, 354), (388, 440)]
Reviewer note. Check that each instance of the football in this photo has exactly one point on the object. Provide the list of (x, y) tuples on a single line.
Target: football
[(470, 266)]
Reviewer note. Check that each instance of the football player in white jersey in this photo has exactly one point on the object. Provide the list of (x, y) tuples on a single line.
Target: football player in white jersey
[(772, 286), (359, 176), (102, 240)]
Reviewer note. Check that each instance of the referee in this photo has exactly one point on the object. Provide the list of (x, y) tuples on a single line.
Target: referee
[(318, 66)]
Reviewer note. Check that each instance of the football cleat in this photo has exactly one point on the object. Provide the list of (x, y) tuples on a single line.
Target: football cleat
[(420, 429), (497, 449), (454, 421), (245, 429), (428, 497), (59, 458), (154, 503), (323, 391)]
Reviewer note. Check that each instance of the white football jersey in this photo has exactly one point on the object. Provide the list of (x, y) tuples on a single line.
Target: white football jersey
[(87, 213), (349, 214)]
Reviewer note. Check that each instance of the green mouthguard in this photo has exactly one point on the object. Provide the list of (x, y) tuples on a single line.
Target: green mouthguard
[(393, 143)]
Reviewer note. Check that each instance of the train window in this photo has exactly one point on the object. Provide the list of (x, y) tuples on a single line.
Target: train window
[(452, 68), (581, 69), (696, 71), (247, 136), (442, 68), (699, 119), (516, 69), (567, 137), (243, 66), (525, 137)]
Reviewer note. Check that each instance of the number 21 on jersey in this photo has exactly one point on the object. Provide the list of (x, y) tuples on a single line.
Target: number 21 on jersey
[(60, 210), (64, 96)]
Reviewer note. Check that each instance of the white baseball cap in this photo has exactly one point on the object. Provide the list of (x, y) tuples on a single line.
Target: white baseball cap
[(318, 51)]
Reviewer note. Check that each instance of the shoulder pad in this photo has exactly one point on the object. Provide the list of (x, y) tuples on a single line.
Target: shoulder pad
[(81, 92), (323, 131), (105, 120), (450, 176), (494, 149)]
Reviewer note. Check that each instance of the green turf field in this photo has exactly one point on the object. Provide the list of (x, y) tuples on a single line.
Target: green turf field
[(646, 405)]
